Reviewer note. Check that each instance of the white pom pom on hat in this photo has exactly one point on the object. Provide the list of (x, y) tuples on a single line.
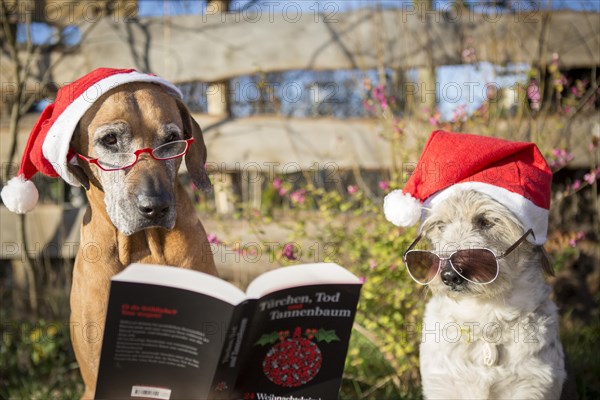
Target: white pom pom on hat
[(48, 147), (20, 195), (401, 209), (513, 173)]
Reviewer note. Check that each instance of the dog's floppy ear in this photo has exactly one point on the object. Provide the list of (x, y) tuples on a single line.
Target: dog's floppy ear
[(545, 257), (75, 169), (196, 155), (79, 174)]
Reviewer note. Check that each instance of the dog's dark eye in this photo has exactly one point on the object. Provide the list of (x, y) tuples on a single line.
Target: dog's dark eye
[(109, 140), (438, 225), (171, 137), (483, 223)]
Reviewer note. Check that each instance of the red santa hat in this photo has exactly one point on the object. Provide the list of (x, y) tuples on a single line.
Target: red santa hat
[(47, 150), (513, 173)]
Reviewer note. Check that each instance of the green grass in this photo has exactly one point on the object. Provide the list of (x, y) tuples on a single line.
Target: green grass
[(582, 346), (37, 362)]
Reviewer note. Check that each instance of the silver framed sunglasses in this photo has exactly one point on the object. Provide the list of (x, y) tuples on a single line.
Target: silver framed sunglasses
[(477, 265)]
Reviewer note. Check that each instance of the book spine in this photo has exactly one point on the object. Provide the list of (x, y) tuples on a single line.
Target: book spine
[(223, 386)]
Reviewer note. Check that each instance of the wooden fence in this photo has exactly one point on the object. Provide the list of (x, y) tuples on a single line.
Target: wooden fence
[(216, 47)]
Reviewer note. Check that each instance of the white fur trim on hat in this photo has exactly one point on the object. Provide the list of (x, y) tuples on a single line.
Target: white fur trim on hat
[(19, 195), (57, 142), (530, 215), (402, 209)]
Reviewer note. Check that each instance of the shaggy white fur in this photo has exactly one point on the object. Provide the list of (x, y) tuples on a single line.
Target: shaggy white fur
[(494, 341)]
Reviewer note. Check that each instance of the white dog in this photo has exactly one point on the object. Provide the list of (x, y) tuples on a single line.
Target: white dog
[(488, 332)]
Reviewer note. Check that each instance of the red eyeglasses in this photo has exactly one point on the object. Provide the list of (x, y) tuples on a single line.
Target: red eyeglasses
[(118, 161)]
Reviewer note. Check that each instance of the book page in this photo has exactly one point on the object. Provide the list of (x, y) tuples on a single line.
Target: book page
[(181, 278), (300, 275)]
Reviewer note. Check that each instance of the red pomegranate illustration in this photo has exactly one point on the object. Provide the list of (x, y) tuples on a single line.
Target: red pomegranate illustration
[(294, 361)]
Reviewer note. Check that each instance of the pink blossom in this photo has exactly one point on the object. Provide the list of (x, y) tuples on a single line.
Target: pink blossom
[(213, 239), (561, 158), (557, 152), (277, 183), (469, 55), (590, 177), (576, 185), (379, 96), (282, 191), (362, 279), (578, 237), (372, 264), (384, 185), (435, 120), (352, 189), (459, 113), (533, 93), (298, 196), (288, 252)]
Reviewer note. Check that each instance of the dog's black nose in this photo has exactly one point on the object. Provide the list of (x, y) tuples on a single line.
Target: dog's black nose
[(153, 206), (451, 278)]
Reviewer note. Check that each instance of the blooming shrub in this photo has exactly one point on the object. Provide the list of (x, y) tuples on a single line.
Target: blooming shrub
[(356, 235)]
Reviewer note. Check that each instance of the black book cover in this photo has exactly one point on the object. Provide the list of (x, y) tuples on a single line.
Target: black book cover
[(162, 342)]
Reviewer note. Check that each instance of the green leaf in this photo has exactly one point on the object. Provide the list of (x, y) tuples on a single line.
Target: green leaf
[(324, 335), (267, 338)]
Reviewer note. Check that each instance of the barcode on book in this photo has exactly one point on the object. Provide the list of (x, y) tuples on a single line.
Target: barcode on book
[(150, 392)]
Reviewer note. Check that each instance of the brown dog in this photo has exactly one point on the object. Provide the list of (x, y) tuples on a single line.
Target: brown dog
[(139, 214)]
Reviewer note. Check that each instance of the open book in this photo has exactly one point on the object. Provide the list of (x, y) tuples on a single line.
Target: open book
[(173, 333)]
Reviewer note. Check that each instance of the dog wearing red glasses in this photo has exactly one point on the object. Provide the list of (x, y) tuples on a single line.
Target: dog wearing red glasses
[(490, 330), (122, 135), (138, 214), (496, 339)]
